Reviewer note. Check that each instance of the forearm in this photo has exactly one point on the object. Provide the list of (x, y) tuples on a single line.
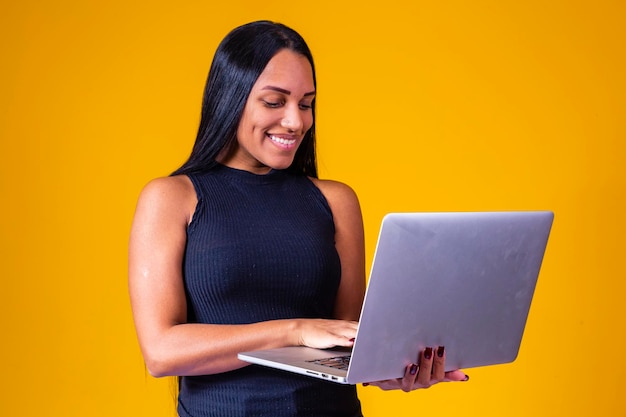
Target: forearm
[(202, 349)]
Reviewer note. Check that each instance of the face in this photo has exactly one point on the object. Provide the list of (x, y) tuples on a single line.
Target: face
[(276, 116)]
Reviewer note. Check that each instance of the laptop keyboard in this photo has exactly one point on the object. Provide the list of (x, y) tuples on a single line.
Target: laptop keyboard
[(337, 362)]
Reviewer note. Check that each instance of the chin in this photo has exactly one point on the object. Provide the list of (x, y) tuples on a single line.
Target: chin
[(280, 163)]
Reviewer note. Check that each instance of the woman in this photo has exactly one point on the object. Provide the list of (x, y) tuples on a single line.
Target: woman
[(244, 248)]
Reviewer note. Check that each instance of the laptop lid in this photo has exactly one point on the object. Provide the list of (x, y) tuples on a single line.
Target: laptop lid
[(460, 280)]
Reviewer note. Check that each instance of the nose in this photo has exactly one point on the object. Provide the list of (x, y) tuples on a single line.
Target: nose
[(292, 119)]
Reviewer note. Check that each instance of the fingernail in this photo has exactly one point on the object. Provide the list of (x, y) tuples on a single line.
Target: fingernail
[(365, 384), (413, 369), (440, 351), (428, 353), (466, 378), (352, 340)]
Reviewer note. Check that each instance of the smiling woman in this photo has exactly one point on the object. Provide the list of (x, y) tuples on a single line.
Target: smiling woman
[(276, 117), (244, 248), (245, 56)]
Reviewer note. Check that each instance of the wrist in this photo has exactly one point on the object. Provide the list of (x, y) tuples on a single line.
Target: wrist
[(294, 332)]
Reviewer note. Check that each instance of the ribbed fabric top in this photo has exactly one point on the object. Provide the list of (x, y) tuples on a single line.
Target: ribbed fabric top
[(260, 247)]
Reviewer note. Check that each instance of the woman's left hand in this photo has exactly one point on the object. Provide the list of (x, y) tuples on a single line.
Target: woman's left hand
[(428, 372)]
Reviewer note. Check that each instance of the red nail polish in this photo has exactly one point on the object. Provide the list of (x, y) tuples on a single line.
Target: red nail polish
[(352, 340), (440, 351), (413, 369), (428, 353)]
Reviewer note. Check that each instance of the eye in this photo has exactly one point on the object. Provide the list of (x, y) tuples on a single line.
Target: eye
[(304, 106), (273, 104)]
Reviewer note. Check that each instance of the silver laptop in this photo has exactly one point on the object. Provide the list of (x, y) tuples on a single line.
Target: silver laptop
[(460, 280)]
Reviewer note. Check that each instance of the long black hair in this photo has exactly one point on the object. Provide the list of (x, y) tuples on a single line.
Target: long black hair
[(239, 60)]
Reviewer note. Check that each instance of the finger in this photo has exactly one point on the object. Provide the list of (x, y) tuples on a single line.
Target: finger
[(344, 331), (425, 367), (344, 342), (348, 329), (439, 364), (346, 339), (410, 375), (456, 376), (344, 324)]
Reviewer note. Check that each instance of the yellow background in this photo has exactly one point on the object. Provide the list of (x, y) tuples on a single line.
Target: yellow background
[(422, 106)]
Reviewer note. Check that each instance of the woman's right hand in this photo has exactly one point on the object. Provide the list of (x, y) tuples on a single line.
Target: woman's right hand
[(323, 334)]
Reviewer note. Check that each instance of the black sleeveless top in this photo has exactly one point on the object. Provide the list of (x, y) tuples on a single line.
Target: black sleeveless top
[(260, 247)]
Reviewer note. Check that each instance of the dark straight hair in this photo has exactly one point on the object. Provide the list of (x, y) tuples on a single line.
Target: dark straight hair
[(239, 60)]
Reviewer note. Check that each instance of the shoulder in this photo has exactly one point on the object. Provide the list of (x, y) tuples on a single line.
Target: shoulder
[(341, 197), (173, 196), (336, 192), (178, 187)]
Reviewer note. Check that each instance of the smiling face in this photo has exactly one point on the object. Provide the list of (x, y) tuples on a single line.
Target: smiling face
[(276, 116)]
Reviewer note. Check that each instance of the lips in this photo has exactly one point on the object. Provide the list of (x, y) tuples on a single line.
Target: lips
[(282, 140)]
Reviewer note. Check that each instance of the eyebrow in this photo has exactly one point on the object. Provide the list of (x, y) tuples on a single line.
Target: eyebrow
[(287, 92)]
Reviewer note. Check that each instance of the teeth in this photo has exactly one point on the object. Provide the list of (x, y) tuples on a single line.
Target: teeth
[(282, 141)]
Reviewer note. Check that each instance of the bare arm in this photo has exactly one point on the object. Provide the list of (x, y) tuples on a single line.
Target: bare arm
[(169, 344), (349, 241)]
